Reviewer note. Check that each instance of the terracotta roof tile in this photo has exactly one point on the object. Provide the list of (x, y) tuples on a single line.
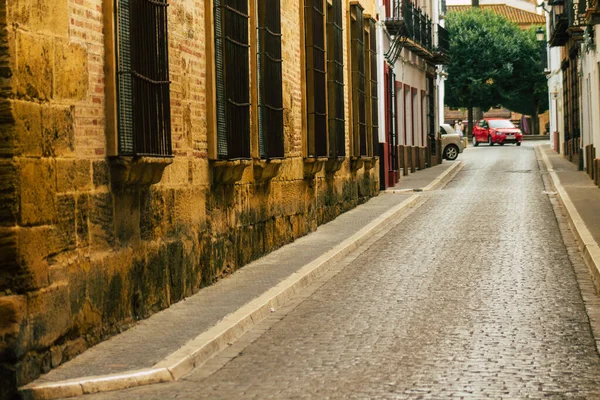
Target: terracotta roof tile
[(520, 17)]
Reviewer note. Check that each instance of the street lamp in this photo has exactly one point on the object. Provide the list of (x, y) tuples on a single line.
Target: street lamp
[(539, 34)]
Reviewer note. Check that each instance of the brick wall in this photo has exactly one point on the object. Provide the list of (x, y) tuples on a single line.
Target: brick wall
[(81, 260)]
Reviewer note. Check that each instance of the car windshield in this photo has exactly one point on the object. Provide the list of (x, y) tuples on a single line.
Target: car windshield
[(500, 123)]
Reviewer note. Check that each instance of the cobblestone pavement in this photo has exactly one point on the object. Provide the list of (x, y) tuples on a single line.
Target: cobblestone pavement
[(472, 296)]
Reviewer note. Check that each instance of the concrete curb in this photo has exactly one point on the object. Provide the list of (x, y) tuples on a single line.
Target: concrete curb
[(233, 326), (441, 180), (587, 244)]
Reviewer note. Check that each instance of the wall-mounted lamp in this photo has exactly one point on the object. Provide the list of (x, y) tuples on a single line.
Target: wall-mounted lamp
[(539, 34), (543, 6)]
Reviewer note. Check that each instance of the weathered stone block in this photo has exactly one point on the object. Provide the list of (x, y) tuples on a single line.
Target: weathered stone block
[(127, 217), (101, 219), (38, 188), (28, 126), (177, 173), (71, 70), (97, 283), (9, 140), (8, 257), (19, 11), (65, 221), (73, 175), (8, 192), (40, 15), (35, 245), (13, 327), (81, 220), (152, 213), (187, 211), (34, 70), (199, 172), (81, 311), (116, 287), (46, 327), (291, 169), (101, 173), (57, 131)]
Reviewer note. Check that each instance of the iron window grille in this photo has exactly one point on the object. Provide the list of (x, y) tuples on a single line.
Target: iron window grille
[(316, 79), (232, 66), (373, 87), (431, 115), (270, 101), (335, 80), (391, 106), (143, 98), (357, 54)]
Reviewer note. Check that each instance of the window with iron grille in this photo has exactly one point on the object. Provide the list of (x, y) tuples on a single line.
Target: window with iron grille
[(357, 54), (335, 80), (316, 79), (143, 100), (232, 78), (373, 87), (270, 101)]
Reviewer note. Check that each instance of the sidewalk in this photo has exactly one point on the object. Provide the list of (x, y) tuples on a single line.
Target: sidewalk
[(581, 200), (172, 342)]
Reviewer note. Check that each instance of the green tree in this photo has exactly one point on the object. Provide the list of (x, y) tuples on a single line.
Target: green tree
[(484, 50), (527, 91)]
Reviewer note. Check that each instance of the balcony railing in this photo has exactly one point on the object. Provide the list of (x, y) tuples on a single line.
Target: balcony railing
[(441, 51), (559, 22), (410, 22)]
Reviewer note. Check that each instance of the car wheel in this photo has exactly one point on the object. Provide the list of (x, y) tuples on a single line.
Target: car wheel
[(490, 141), (475, 142), (451, 152), (518, 143), (501, 143)]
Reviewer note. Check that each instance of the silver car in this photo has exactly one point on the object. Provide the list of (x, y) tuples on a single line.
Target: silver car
[(452, 144)]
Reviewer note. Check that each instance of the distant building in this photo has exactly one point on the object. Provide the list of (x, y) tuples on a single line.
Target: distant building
[(414, 46)]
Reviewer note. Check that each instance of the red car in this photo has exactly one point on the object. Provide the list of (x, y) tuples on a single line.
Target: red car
[(496, 130)]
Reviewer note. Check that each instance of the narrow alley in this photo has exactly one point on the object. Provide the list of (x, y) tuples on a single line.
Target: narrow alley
[(472, 295)]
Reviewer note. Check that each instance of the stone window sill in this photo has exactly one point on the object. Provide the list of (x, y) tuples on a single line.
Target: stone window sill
[(334, 164), (357, 163), (228, 172), (312, 165), (130, 171), (265, 170)]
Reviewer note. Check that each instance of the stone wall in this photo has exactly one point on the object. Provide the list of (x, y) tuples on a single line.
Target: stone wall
[(80, 260)]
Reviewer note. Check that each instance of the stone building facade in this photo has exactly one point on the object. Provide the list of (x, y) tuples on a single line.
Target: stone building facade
[(95, 235)]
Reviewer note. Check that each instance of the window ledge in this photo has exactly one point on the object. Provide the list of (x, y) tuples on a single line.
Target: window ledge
[(357, 163), (334, 164), (128, 171), (266, 169), (228, 172), (312, 165)]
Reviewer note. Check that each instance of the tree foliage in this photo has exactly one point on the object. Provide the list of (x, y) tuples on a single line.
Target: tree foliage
[(527, 93), (493, 62)]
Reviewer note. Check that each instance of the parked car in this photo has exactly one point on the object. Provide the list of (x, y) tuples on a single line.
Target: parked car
[(451, 142), (496, 130)]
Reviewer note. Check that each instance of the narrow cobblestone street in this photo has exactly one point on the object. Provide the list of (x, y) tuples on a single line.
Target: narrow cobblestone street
[(473, 295)]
